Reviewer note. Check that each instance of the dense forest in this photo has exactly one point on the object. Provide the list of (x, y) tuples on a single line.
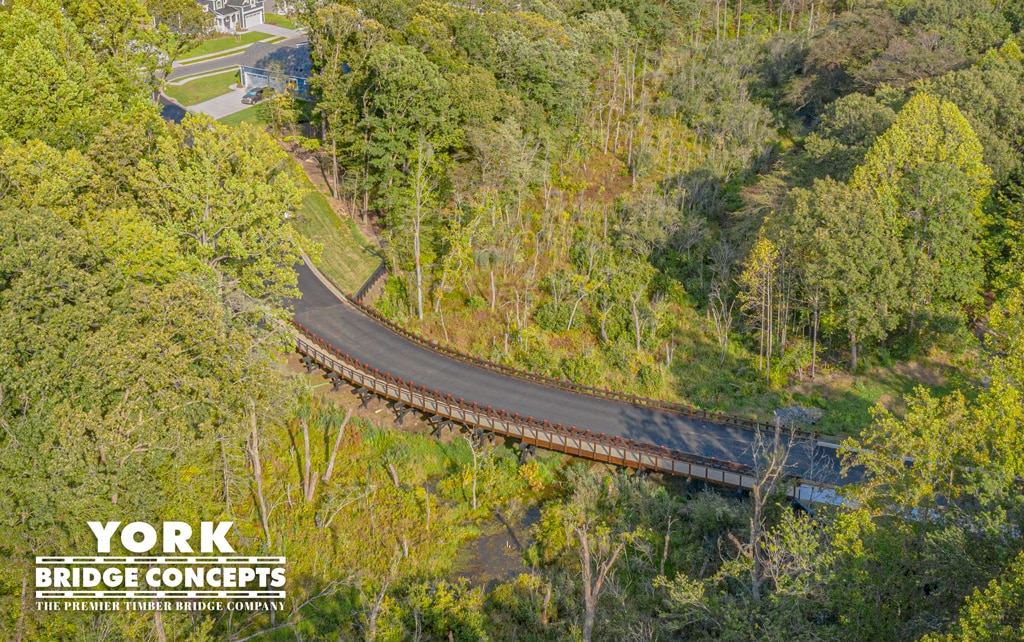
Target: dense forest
[(643, 195), (708, 201)]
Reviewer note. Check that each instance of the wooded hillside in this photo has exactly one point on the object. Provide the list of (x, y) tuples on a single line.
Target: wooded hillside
[(740, 205)]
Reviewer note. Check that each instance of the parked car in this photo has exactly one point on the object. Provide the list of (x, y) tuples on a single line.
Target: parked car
[(255, 95)]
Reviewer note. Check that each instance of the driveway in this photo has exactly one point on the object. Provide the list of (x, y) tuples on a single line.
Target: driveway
[(274, 30), (222, 106)]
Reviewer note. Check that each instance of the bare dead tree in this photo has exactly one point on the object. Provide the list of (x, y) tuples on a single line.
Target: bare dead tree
[(720, 312), (253, 450), (598, 554), (308, 479), (337, 444), (771, 457)]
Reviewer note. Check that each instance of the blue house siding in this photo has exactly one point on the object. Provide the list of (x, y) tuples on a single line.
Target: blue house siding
[(292, 85), (286, 68)]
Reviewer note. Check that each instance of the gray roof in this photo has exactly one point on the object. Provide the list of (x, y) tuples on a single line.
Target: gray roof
[(292, 60)]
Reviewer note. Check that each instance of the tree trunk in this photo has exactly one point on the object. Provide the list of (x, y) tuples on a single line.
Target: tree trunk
[(257, 470), (19, 636), (664, 550), (572, 315), (494, 291), (419, 268), (309, 482), (853, 351), (158, 622), (334, 156), (227, 478), (337, 444), (589, 615), (636, 324)]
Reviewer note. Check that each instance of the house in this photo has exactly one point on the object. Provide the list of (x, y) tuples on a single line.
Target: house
[(234, 15), (285, 67)]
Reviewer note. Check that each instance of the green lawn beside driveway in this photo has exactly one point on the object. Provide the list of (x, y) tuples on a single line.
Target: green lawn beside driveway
[(346, 257), (255, 115), (222, 43), (280, 21), (202, 89)]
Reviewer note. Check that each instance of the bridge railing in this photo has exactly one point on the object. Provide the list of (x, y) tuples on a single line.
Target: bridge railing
[(565, 384), (557, 437), (371, 282)]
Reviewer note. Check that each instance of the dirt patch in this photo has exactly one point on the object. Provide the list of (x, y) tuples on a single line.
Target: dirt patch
[(931, 374), (497, 555)]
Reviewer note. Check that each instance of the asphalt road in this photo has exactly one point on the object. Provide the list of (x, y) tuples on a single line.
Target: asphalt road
[(348, 329), (197, 68), (171, 111), (225, 62)]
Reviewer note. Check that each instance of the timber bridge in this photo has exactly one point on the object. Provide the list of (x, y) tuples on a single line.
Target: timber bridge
[(356, 346)]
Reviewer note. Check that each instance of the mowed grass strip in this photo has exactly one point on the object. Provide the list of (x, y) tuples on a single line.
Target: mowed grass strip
[(255, 115), (260, 114), (345, 255), (202, 89), (222, 43), (280, 21)]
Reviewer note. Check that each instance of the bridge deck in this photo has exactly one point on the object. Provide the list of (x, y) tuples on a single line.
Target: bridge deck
[(343, 325)]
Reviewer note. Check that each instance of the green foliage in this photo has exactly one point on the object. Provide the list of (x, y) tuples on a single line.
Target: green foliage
[(992, 615), (53, 87), (233, 191)]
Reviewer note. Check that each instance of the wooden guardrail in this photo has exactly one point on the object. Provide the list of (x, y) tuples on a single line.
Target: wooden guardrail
[(358, 300), (565, 384), (557, 437), (364, 289)]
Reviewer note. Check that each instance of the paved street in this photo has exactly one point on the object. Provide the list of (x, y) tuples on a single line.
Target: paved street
[(232, 61), (227, 62)]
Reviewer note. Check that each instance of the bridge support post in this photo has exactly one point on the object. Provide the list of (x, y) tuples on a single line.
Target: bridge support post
[(365, 397), (309, 363)]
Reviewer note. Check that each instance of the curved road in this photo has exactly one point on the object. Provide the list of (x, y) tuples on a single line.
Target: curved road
[(340, 323)]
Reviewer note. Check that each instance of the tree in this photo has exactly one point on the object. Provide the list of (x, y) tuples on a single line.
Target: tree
[(422, 189), (182, 24), (403, 97), (226, 192), (599, 534), (928, 467), (757, 296), (992, 615), (54, 88), (857, 261), (927, 177)]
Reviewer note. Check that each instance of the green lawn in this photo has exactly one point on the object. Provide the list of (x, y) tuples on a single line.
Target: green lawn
[(255, 115), (258, 114), (222, 43), (202, 89), (280, 21), (345, 256), (848, 400)]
